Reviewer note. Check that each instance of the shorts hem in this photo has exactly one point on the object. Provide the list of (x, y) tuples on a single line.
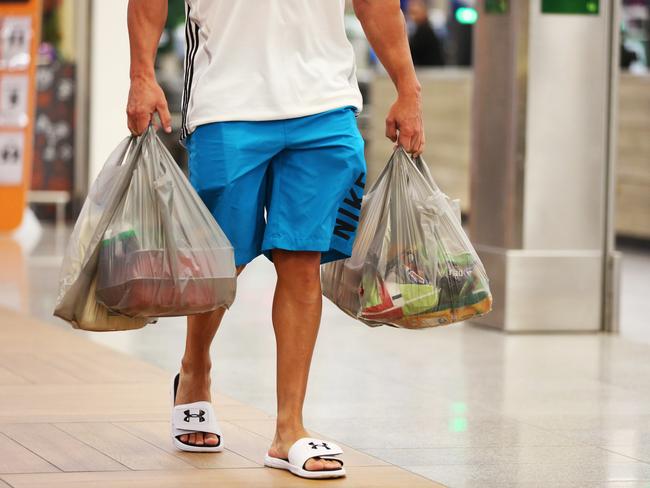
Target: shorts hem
[(243, 257), (293, 244), (324, 246)]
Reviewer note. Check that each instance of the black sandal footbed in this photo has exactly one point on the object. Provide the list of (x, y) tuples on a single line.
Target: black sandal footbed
[(176, 381)]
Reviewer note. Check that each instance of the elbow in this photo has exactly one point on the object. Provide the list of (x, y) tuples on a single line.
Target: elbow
[(361, 8), (364, 8)]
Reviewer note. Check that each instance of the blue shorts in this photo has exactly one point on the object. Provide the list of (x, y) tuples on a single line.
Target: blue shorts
[(293, 184)]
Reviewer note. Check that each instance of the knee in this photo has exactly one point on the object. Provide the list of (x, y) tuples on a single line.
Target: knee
[(299, 268)]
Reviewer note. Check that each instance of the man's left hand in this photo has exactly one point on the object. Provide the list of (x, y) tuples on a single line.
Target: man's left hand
[(404, 124)]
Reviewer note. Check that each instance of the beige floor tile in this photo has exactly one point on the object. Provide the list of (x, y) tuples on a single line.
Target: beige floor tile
[(9, 378), (359, 477), (158, 434), (122, 446), (60, 448), (108, 367), (71, 401), (244, 442), (35, 369), (103, 418), (15, 458)]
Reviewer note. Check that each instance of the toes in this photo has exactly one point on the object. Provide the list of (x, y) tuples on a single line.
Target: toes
[(329, 464), (334, 464), (314, 465), (200, 439), (321, 464), (211, 440)]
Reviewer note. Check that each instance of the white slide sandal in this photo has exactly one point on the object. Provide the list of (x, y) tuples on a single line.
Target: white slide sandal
[(188, 418), (305, 449)]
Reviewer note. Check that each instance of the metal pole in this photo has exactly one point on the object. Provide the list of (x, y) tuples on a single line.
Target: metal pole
[(612, 258)]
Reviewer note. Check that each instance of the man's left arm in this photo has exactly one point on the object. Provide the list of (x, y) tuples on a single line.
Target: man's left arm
[(385, 28)]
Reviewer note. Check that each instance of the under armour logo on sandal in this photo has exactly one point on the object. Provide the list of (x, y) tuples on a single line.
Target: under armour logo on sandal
[(315, 446), (200, 415)]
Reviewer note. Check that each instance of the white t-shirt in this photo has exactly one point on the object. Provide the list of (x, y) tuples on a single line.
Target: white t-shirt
[(266, 60)]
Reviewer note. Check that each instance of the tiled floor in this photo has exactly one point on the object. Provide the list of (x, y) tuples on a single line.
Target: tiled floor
[(75, 413), (464, 406)]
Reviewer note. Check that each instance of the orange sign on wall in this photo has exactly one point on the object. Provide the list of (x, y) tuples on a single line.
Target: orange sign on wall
[(19, 36)]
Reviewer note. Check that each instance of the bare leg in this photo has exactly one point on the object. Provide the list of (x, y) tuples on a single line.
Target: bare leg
[(194, 384), (297, 306)]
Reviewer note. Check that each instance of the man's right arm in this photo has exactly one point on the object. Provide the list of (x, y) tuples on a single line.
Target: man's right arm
[(146, 21)]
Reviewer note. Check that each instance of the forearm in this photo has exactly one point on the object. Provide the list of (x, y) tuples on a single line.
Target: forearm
[(385, 28), (146, 21)]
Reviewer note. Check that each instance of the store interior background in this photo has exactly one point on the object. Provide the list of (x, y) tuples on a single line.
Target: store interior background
[(459, 404), (77, 123)]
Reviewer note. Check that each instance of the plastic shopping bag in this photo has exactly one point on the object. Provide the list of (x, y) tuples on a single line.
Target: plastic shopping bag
[(76, 301), (412, 264), (162, 253)]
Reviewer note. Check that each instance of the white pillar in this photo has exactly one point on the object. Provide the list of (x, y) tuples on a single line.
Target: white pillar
[(109, 80), (542, 164)]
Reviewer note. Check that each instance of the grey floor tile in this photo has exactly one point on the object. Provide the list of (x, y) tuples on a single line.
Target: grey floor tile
[(547, 475), (635, 451), (627, 484), (600, 421), (500, 455), (461, 431)]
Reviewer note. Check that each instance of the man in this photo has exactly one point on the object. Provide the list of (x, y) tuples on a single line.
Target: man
[(426, 49), (269, 121)]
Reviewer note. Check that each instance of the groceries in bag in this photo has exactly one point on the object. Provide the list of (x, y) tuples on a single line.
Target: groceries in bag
[(141, 282), (412, 265), (96, 317), (150, 248), (76, 302), (162, 253)]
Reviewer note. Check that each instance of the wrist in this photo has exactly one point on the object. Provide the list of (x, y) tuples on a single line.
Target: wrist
[(146, 75), (409, 88)]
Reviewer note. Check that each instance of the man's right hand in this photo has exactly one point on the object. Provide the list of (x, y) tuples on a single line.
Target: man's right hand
[(145, 99)]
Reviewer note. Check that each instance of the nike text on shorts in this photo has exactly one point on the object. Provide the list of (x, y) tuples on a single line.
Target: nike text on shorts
[(293, 184)]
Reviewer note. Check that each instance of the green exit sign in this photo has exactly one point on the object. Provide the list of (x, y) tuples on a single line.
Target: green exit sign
[(496, 6), (585, 7)]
